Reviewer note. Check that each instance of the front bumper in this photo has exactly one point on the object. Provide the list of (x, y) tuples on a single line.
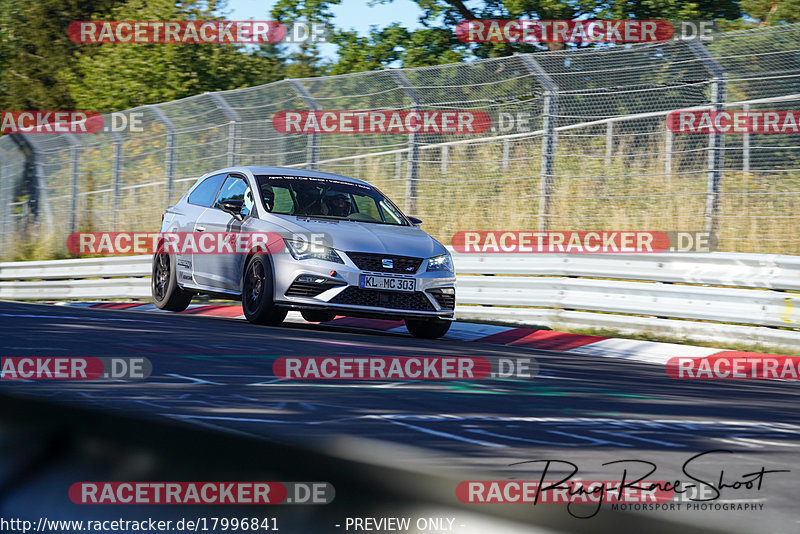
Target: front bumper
[(340, 292)]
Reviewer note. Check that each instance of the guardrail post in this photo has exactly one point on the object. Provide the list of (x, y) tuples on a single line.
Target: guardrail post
[(715, 139), (312, 148), (234, 118), (549, 117), (169, 166), (412, 175)]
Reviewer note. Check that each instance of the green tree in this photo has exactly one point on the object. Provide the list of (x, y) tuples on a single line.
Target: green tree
[(436, 43), (769, 12), (306, 61), (35, 52), (120, 76)]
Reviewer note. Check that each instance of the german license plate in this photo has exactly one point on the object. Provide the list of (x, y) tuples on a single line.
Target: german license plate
[(391, 283)]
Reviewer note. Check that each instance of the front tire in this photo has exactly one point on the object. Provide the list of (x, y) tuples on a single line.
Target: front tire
[(257, 290), (164, 285), (427, 328)]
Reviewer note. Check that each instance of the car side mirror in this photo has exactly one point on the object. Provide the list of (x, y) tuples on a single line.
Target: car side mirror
[(415, 221), (234, 207)]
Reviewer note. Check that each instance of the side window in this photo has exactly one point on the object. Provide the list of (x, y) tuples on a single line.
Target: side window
[(203, 194), (236, 188)]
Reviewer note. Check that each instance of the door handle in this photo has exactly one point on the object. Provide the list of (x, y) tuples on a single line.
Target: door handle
[(200, 228)]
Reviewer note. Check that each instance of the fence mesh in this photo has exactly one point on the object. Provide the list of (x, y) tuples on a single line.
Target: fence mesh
[(588, 147)]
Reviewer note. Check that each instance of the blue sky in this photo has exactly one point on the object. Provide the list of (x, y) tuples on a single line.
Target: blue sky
[(349, 15)]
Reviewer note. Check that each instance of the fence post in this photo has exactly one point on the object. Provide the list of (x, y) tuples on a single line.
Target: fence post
[(668, 144), (398, 165), (746, 145), (171, 147), (33, 175), (412, 175), (116, 166), (715, 139), (234, 119), (445, 156), (601, 182), (312, 148), (74, 155), (549, 117), (5, 178)]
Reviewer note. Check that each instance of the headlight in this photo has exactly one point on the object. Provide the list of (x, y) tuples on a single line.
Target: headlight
[(441, 263), (303, 250)]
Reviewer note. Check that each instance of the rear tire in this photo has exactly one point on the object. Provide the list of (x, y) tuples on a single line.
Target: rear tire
[(317, 316), (257, 290), (427, 328), (164, 285)]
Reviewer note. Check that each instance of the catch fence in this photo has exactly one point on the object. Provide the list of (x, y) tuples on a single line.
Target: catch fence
[(579, 141)]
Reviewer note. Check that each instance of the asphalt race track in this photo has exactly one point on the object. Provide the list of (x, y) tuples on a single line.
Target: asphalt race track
[(217, 373)]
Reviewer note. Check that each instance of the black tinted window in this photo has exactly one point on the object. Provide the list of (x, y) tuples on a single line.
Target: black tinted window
[(204, 194), (236, 188), (328, 198)]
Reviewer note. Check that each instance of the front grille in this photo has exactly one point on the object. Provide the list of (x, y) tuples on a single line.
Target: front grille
[(374, 262), (309, 289), (446, 300), (356, 296)]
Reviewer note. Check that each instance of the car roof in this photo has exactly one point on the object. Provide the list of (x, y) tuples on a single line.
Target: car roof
[(284, 171)]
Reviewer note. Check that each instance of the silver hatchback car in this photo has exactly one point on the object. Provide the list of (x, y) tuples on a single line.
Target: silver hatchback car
[(344, 249)]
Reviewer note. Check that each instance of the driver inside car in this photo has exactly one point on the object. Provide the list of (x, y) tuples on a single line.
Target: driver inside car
[(336, 204), (268, 196)]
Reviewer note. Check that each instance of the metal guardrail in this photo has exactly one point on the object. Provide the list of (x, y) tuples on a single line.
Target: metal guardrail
[(645, 292)]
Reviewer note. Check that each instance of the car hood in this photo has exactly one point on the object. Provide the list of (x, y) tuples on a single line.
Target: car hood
[(366, 237)]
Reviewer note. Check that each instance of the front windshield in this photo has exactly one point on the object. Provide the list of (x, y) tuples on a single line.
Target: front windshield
[(331, 199)]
